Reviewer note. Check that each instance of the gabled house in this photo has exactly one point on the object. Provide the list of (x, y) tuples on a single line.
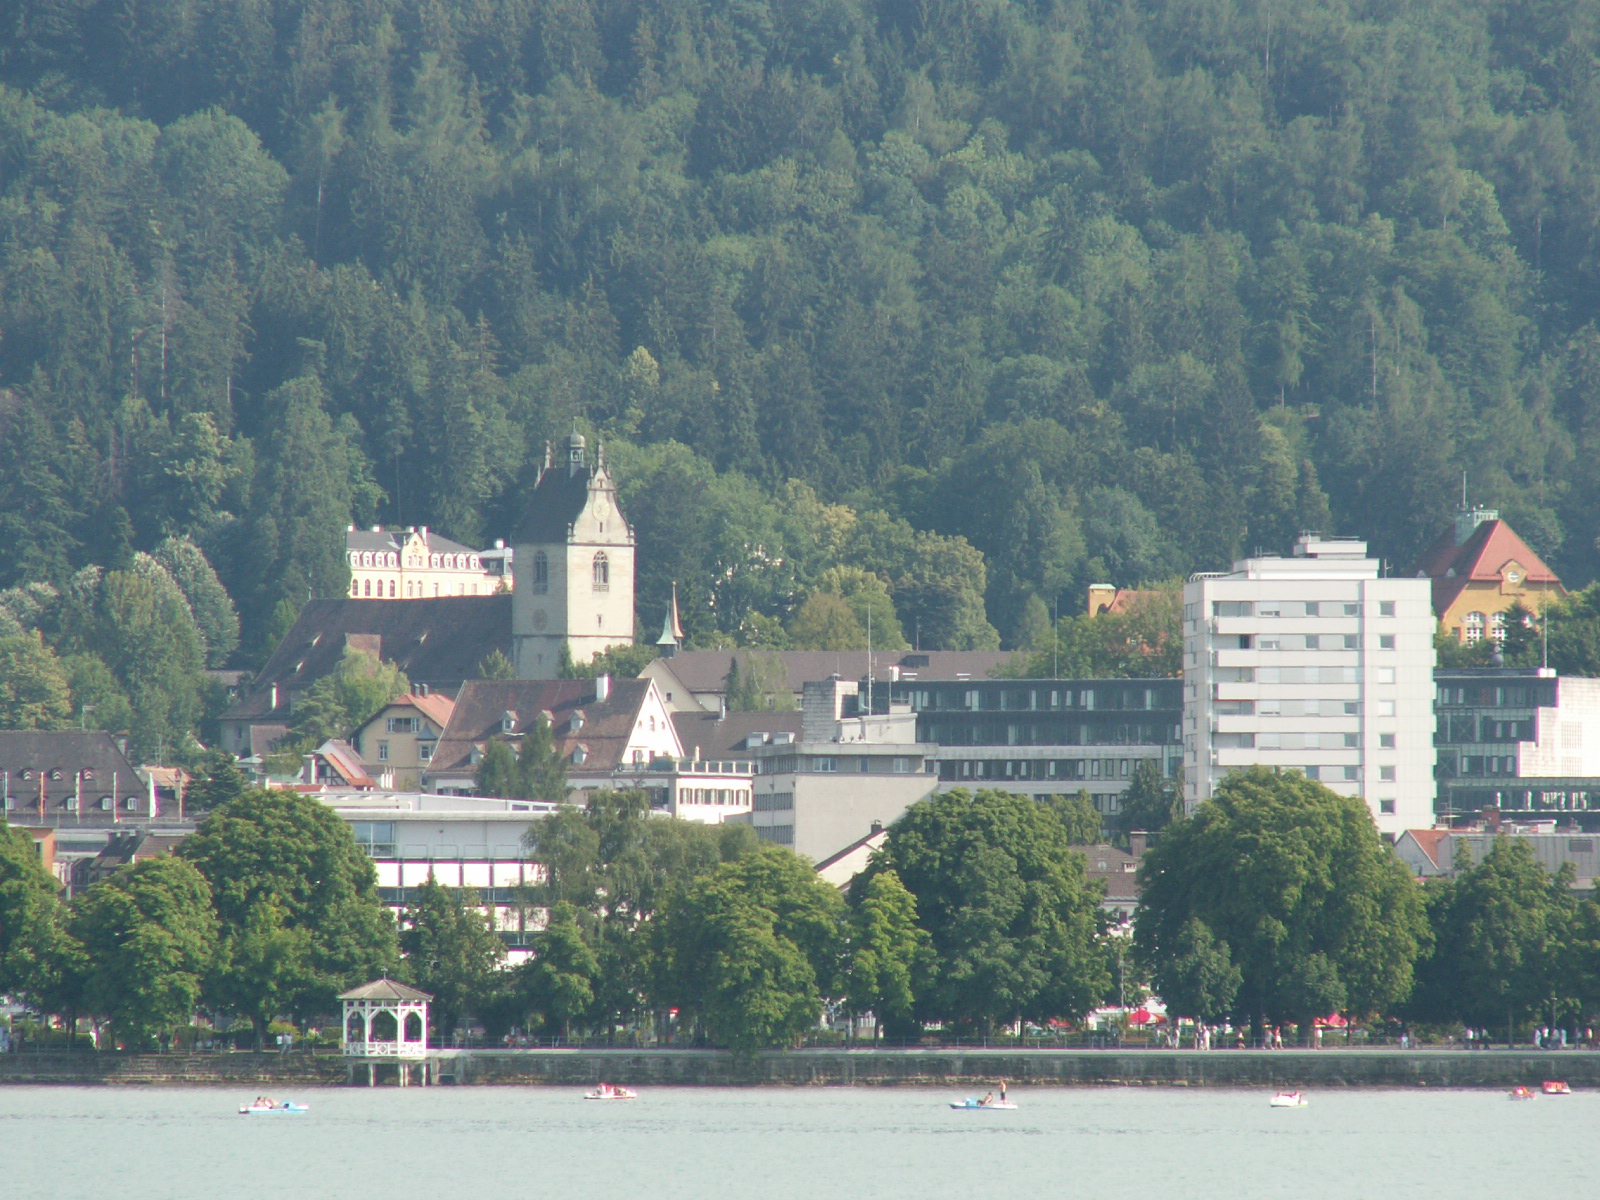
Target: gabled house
[(1481, 568), (600, 727), (71, 777), (400, 738)]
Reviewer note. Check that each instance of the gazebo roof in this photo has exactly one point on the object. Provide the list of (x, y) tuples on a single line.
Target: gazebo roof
[(385, 989)]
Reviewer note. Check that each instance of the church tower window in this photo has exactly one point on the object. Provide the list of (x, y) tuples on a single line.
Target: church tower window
[(602, 572), (541, 573)]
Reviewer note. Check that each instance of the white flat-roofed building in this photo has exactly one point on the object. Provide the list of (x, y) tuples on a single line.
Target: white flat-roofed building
[(1317, 663), (462, 841)]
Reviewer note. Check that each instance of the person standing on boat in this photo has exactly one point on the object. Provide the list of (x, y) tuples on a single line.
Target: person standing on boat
[(1002, 1091)]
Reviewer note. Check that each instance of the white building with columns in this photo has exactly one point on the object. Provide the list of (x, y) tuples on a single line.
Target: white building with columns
[(573, 566), (1315, 662)]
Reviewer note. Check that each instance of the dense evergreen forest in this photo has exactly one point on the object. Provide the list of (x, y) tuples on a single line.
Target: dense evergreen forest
[(967, 302)]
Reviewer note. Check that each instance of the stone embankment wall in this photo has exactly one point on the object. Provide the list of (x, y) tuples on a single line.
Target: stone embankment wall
[(970, 1068), (245, 1070), (936, 1068)]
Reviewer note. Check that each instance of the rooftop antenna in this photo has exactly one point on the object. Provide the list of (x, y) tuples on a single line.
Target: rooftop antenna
[(869, 658), (1463, 489)]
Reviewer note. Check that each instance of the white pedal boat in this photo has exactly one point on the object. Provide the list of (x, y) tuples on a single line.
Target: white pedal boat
[(973, 1102), (274, 1109)]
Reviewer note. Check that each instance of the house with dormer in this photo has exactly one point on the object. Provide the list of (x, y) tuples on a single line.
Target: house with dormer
[(399, 739), (605, 730), (1480, 569)]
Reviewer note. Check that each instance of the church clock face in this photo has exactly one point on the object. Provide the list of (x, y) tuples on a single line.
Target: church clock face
[(1513, 577), (602, 508), (539, 619)]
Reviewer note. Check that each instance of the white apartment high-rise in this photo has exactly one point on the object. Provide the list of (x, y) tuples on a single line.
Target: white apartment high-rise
[(1313, 662)]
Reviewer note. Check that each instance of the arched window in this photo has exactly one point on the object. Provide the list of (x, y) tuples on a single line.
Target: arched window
[(541, 573), (602, 572), (355, 587), (408, 589), (369, 587), (1497, 627), (391, 589), (366, 559)]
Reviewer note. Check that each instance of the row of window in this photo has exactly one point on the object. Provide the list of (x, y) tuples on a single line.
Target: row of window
[(774, 801), (438, 562), (830, 763), (1105, 697), (100, 803), (1276, 707), (1285, 608), (1460, 727), (1297, 675), (1474, 623), (1479, 695), (1300, 641), (414, 589), (737, 797), (1296, 741), (1049, 733), (1065, 769), (782, 835)]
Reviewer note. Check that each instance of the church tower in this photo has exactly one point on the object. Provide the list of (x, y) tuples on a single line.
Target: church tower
[(573, 566)]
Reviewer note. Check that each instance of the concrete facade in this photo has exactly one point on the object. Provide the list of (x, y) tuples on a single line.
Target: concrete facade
[(1317, 663), (842, 777)]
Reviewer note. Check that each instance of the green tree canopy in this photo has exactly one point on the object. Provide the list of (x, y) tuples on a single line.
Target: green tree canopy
[(751, 949), (1293, 881), (276, 859), (1005, 901), (29, 909), (1500, 950), (149, 936), (34, 692), (337, 704), (890, 955), (452, 950)]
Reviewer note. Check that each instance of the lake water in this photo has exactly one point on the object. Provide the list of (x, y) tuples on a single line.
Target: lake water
[(816, 1144)]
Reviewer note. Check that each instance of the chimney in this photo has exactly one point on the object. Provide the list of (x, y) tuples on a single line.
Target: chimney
[(1469, 517), (1101, 597), (272, 698), (602, 688), (876, 827), (421, 689), (722, 706), (1138, 839)]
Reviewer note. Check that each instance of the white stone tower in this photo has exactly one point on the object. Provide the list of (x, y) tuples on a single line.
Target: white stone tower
[(573, 566)]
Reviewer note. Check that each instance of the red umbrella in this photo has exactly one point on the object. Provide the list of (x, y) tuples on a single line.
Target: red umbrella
[(1139, 1016), (1333, 1021)]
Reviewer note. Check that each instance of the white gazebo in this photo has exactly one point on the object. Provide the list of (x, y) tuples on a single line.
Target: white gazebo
[(385, 1019)]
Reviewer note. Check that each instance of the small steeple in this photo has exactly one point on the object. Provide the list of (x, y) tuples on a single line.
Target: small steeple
[(576, 459), (671, 628)]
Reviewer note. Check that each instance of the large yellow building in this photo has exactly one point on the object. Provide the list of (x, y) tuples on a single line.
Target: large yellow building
[(1480, 569), (413, 563)]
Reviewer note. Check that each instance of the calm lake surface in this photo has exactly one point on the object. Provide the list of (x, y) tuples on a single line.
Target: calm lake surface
[(769, 1144)]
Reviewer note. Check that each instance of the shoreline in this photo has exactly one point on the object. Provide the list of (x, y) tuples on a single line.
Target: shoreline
[(1380, 1068)]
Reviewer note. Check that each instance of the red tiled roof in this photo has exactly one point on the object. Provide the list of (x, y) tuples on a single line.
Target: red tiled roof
[(435, 707), (1481, 559), (607, 727), (1428, 840)]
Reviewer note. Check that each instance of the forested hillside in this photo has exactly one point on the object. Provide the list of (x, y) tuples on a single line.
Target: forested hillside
[(984, 298)]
